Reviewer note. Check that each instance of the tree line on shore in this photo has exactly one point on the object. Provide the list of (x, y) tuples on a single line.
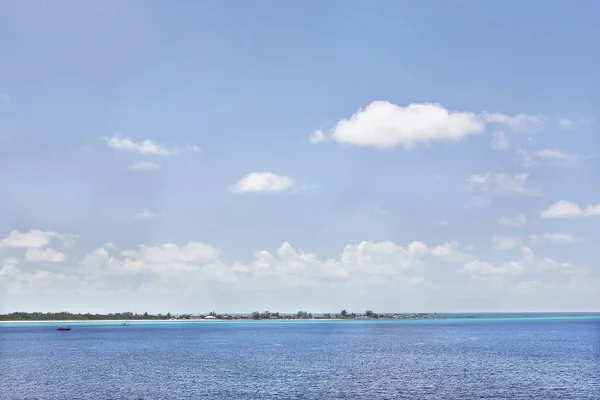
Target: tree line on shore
[(307, 315), (68, 316), (255, 315)]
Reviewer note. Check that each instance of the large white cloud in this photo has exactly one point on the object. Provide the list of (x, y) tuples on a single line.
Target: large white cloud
[(382, 124)]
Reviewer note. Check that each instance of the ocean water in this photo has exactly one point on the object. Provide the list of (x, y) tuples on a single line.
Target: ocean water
[(551, 357)]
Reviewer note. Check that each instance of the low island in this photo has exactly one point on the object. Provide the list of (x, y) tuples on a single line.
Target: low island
[(265, 315)]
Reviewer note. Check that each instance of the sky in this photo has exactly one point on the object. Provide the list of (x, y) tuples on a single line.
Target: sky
[(190, 156)]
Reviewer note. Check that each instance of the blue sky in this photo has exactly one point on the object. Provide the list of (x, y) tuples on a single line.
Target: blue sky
[(503, 123)]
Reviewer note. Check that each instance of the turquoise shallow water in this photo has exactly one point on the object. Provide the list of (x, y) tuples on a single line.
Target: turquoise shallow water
[(548, 356)]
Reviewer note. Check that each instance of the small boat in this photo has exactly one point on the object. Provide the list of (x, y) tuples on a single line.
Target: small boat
[(63, 328), (125, 324)]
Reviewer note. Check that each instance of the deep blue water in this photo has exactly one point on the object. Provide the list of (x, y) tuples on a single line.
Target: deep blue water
[(502, 358)]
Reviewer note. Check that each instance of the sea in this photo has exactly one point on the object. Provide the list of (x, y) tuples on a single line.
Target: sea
[(493, 356)]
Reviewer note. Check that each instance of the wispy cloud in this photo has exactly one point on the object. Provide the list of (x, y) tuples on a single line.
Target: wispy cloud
[(501, 183), (516, 221), (505, 242), (145, 166), (549, 156), (554, 238), (499, 141), (145, 147), (523, 123), (567, 123), (146, 214)]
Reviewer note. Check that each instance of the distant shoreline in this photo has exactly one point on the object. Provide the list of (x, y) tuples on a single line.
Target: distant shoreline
[(255, 315), (528, 316), (69, 318), (167, 320), (70, 321)]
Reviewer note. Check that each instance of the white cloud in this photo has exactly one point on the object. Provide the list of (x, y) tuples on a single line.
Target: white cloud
[(145, 165), (486, 268), (499, 141), (505, 242), (562, 209), (32, 239), (263, 182), (516, 221), (10, 261), (167, 257), (49, 255), (418, 248), (201, 262), (20, 282), (384, 125), (592, 211), (35, 238), (529, 263), (195, 277), (145, 147), (383, 257), (567, 124), (568, 209), (555, 238), (374, 252), (501, 183), (146, 214), (554, 154), (449, 252)]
